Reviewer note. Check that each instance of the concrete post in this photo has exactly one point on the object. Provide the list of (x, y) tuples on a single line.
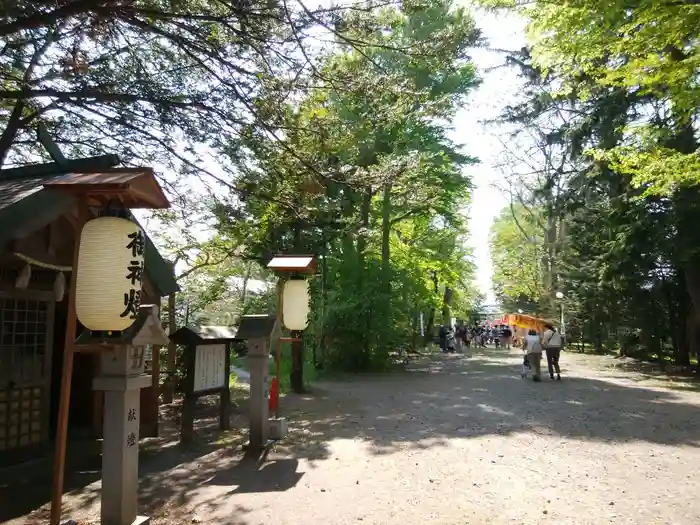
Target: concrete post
[(121, 379), (259, 359)]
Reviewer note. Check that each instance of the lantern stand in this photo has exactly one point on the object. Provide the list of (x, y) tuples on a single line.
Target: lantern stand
[(130, 188), (256, 331), (121, 379), (286, 267)]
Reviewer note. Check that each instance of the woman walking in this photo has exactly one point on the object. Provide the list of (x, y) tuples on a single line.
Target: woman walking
[(532, 346), (552, 342)]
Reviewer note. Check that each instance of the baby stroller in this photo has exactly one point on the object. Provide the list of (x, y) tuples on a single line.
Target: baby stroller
[(450, 342), (526, 366)]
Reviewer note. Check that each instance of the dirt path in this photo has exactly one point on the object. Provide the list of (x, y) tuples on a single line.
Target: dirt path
[(457, 441)]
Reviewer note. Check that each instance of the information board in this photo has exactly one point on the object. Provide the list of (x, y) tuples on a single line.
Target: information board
[(210, 367)]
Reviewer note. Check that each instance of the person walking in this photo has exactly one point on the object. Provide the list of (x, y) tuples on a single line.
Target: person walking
[(552, 341), (461, 336), (451, 340), (532, 346), (442, 335), (505, 335)]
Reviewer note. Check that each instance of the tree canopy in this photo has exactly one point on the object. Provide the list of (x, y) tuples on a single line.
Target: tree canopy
[(170, 82)]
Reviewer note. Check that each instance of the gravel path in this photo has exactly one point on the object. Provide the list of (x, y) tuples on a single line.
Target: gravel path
[(462, 440)]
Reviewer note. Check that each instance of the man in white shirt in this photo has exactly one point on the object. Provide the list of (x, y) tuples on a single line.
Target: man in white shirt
[(552, 342)]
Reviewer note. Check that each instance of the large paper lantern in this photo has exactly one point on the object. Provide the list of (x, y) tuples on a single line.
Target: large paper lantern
[(295, 304), (110, 270)]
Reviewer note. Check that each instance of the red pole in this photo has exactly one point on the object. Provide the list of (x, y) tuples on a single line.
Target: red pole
[(274, 396)]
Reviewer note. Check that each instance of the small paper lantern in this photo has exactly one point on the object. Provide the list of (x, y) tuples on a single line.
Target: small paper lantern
[(109, 274), (295, 304), (59, 287), (24, 277)]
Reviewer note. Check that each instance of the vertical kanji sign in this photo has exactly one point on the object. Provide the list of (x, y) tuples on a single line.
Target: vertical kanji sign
[(135, 243), (132, 427)]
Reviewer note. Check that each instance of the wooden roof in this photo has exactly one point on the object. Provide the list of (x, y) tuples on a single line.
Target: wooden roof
[(27, 206), (133, 187), (13, 190)]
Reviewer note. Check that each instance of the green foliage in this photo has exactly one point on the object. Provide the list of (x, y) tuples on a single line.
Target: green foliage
[(617, 97), (648, 49), (370, 184), (342, 153), (517, 250)]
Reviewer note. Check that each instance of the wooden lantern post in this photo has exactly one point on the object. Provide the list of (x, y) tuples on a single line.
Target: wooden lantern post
[(285, 266), (67, 375), (128, 188)]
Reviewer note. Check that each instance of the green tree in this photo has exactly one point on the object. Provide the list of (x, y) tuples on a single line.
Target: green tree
[(386, 181), (517, 252), (172, 83), (625, 267)]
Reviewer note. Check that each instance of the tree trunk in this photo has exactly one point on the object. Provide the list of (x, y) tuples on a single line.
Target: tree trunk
[(10, 132), (365, 208), (384, 339), (686, 202), (681, 342), (244, 286), (428, 338), (386, 237), (348, 205), (323, 339), (169, 384), (447, 306), (693, 334)]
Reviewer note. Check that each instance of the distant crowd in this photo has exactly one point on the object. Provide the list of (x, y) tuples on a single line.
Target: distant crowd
[(456, 338), (534, 344)]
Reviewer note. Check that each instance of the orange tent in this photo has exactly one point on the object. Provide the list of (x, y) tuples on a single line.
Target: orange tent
[(526, 321)]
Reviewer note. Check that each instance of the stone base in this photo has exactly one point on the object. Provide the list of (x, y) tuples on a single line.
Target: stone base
[(140, 520), (278, 428)]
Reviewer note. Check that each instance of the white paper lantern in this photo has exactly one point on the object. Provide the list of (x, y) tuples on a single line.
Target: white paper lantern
[(110, 271), (295, 304)]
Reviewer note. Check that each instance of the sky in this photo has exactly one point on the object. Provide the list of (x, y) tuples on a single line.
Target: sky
[(480, 140)]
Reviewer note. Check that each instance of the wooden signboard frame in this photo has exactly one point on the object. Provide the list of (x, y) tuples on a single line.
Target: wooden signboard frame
[(194, 338)]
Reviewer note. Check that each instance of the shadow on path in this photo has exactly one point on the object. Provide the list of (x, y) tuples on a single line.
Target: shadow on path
[(27, 491), (439, 399), (456, 397)]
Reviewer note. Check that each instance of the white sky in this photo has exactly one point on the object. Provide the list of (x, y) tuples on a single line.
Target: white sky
[(499, 87)]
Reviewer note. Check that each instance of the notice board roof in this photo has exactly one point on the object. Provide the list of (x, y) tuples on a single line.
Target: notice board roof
[(292, 263), (204, 334)]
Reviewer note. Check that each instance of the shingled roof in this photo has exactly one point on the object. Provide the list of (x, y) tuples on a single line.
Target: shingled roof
[(26, 206)]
